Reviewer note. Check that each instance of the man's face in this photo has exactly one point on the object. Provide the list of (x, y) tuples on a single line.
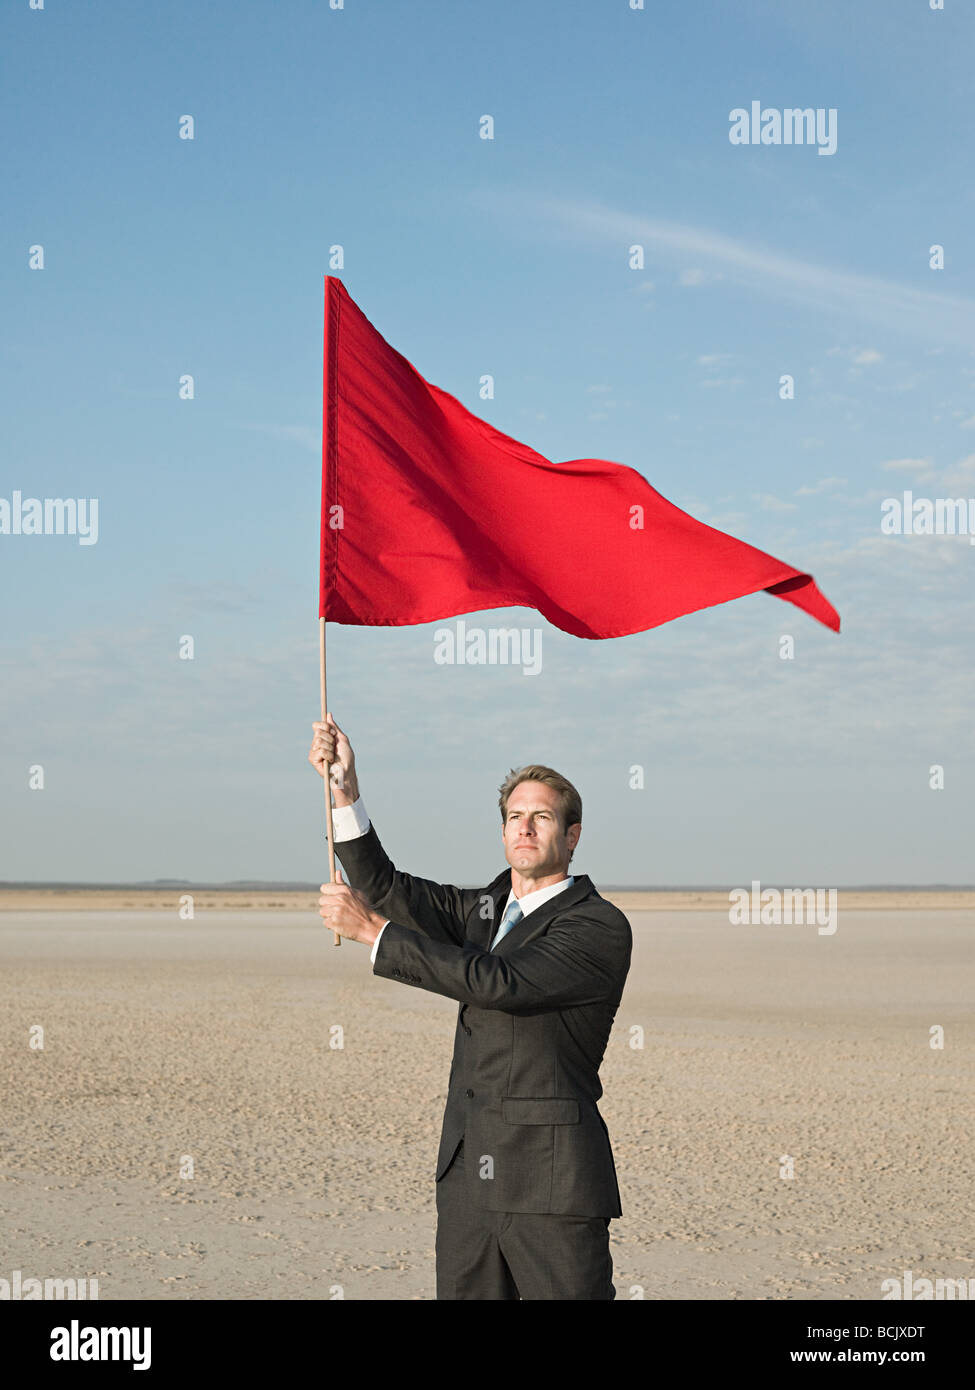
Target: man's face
[(534, 843)]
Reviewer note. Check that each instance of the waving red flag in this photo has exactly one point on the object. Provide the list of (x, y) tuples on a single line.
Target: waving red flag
[(429, 512)]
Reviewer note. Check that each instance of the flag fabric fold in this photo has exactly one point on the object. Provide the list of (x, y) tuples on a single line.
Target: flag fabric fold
[(429, 512)]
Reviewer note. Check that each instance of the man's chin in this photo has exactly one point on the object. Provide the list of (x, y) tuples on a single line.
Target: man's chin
[(523, 860)]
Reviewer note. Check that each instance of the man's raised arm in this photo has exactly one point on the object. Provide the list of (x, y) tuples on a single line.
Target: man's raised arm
[(437, 910)]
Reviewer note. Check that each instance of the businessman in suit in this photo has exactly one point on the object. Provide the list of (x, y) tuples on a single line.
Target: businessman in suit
[(537, 960)]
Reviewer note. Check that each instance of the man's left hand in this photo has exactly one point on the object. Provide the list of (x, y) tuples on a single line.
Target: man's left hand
[(344, 910)]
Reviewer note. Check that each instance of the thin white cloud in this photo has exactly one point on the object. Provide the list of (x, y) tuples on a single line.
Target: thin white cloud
[(768, 503), (823, 485), (958, 475), (860, 357), (962, 475), (694, 275), (761, 269), (906, 465)]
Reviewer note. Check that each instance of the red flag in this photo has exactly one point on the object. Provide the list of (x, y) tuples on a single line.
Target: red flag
[(429, 512)]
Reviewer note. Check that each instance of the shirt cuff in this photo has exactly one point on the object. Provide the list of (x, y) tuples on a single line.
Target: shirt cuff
[(349, 822), (375, 944)]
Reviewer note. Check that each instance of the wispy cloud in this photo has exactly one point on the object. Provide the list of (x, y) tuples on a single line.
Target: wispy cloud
[(958, 475), (918, 313), (823, 485), (962, 475), (768, 503), (301, 435), (694, 275), (860, 357), (906, 465)]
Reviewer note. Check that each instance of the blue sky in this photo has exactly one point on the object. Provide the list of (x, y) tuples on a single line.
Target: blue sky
[(359, 127)]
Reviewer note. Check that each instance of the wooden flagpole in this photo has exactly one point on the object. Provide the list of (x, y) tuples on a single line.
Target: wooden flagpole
[(329, 369), (332, 875)]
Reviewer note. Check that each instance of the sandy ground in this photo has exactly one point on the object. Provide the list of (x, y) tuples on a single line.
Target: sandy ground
[(263, 900), (313, 1164)]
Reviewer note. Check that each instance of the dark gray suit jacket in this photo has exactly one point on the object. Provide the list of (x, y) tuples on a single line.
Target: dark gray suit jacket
[(535, 1016)]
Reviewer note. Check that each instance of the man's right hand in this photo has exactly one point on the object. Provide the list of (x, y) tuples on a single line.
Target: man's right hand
[(330, 746)]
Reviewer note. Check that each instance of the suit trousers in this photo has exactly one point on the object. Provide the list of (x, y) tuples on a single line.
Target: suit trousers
[(498, 1254)]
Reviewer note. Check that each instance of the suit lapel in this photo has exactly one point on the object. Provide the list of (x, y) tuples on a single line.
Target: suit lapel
[(500, 896), (537, 921), (482, 929)]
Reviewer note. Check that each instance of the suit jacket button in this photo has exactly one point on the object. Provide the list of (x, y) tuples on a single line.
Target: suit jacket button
[(466, 1029), (469, 1092)]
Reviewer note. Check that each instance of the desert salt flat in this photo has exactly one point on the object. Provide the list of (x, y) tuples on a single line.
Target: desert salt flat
[(313, 1164)]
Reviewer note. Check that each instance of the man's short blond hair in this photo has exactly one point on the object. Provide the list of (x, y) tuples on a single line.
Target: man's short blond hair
[(570, 802)]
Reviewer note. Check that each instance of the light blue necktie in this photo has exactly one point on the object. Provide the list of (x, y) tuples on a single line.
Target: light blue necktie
[(512, 916)]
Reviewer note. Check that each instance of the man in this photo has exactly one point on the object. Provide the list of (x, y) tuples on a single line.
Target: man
[(526, 1185)]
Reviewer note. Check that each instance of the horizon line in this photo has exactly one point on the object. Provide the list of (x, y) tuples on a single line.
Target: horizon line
[(244, 885)]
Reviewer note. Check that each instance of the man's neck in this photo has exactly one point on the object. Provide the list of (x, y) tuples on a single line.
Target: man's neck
[(521, 886)]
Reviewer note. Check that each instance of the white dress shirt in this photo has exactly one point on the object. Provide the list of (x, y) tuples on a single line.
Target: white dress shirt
[(349, 822)]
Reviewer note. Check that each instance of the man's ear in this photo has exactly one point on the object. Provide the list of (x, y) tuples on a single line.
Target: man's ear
[(572, 835)]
